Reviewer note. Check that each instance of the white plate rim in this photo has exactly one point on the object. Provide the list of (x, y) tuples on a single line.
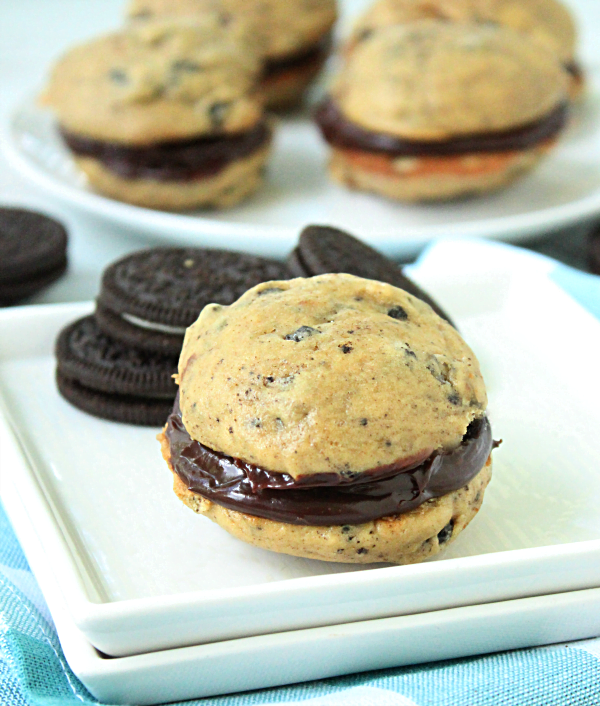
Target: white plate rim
[(263, 238), (139, 677)]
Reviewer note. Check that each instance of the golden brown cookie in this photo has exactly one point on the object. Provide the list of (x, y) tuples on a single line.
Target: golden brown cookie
[(293, 37), (434, 110), (164, 114), (331, 417), (548, 22)]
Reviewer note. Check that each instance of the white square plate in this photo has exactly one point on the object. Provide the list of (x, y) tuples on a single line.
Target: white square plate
[(140, 572), (272, 660)]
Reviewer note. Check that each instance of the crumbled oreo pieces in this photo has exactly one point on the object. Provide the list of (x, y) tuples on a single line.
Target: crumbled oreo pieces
[(110, 380), (33, 253), (149, 298), (324, 249)]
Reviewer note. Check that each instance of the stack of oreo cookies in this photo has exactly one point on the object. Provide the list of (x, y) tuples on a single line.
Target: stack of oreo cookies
[(118, 363), (33, 253)]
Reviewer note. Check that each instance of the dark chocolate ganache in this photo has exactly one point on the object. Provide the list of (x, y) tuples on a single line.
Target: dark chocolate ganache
[(341, 132), (180, 160), (324, 498), (304, 57)]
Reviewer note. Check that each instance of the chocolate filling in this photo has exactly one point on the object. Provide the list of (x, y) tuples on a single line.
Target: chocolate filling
[(324, 498), (341, 132), (181, 160), (300, 59)]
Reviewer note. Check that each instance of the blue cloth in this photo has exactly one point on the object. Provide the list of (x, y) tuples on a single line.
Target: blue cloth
[(33, 670)]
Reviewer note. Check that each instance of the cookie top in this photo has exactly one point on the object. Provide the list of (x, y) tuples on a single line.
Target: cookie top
[(433, 80), (31, 244), (158, 82), (545, 21), (331, 374), (281, 28)]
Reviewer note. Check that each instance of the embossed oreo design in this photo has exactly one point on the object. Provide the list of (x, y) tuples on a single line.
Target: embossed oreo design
[(149, 298), (33, 253)]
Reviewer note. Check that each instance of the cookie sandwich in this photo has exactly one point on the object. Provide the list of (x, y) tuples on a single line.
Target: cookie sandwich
[(119, 363), (148, 298), (165, 114), (435, 110), (33, 253), (111, 380), (293, 37), (332, 418), (548, 22)]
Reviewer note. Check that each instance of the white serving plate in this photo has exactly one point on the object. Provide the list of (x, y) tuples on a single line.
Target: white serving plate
[(140, 572), (273, 660), (564, 189)]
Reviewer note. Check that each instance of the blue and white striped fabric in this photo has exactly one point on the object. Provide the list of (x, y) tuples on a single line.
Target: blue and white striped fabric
[(33, 670)]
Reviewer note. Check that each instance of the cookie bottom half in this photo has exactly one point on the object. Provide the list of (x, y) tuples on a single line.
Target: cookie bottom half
[(228, 187), (432, 178), (402, 539)]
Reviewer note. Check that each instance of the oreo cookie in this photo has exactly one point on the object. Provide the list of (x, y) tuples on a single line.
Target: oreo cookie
[(323, 249), (593, 250), (33, 253), (150, 297), (108, 379)]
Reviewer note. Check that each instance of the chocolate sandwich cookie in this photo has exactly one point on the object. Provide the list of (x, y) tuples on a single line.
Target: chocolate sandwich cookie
[(149, 298), (323, 249), (33, 253), (293, 37), (547, 22), (164, 114), (436, 110), (105, 378), (593, 250), (333, 418)]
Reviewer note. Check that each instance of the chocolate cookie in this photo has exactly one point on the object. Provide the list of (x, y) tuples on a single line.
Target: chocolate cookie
[(324, 249), (594, 251), (332, 417), (149, 298), (107, 379), (33, 253)]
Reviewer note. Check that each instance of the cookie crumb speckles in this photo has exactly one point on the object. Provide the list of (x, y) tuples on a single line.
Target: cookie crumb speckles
[(445, 534), (398, 313), (301, 333)]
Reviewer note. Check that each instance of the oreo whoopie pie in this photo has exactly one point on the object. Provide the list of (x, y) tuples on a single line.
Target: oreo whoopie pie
[(435, 110), (110, 380), (294, 37), (164, 115), (323, 249), (333, 418), (33, 253), (149, 298)]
